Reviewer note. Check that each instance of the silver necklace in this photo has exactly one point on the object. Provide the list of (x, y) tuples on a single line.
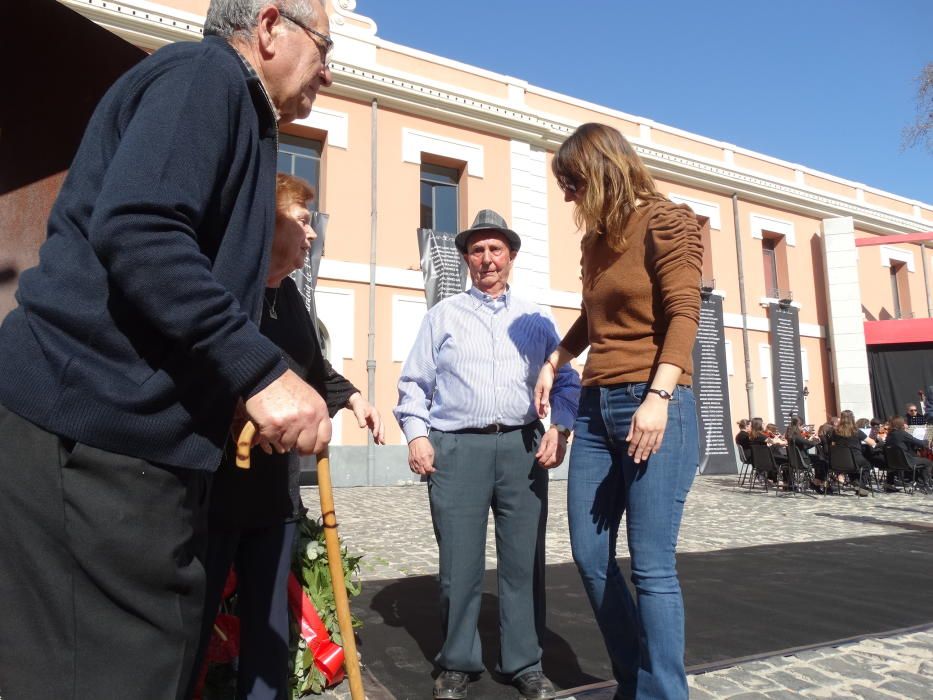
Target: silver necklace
[(271, 305)]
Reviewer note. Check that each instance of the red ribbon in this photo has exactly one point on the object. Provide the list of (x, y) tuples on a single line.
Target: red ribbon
[(224, 645), (328, 657)]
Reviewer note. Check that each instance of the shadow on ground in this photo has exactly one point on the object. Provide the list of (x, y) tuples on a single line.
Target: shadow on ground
[(740, 603)]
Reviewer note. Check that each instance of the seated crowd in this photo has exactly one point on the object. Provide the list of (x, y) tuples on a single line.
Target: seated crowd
[(865, 440)]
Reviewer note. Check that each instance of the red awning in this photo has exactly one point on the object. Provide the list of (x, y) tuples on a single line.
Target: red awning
[(905, 330)]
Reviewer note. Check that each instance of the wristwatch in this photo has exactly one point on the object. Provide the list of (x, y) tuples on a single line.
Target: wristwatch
[(662, 393), (562, 429)]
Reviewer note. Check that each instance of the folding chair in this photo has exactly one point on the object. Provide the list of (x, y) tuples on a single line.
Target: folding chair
[(762, 464), (842, 461), (744, 471), (898, 466), (800, 470)]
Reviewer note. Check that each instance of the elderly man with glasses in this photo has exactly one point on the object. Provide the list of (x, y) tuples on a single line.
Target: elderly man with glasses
[(134, 339)]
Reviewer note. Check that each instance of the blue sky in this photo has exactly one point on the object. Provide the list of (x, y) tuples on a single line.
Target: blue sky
[(828, 84)]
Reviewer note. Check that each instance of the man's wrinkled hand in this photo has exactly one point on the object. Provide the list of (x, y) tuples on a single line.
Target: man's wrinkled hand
[(290, 414), (421, 456), (551, 449)]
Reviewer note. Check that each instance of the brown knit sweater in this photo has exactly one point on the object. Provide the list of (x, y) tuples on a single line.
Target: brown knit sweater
[(640, 306)]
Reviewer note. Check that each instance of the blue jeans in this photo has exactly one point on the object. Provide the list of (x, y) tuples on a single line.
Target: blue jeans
[(645, 639)]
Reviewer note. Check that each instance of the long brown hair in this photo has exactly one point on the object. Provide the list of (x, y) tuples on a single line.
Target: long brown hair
[(758, 427), (846, 426), (599, 161)]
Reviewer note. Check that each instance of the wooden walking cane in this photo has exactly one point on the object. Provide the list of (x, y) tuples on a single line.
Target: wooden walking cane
[(334, 559)]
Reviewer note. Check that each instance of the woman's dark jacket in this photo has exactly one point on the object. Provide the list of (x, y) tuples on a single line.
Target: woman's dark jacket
[(267, 493)]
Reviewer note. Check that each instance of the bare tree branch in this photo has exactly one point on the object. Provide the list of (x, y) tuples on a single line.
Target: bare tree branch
[(921, 131)]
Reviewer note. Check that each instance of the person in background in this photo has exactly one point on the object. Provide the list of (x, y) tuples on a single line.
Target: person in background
[(824, 433), (846, 434), (777, 442), (878, 429), (874, 453), (759, 434), (927, 399), (253, 512), (466, 408), (741, 439), (135, 337), (796, 440), (900, 438), (913, 415), (636, 445)]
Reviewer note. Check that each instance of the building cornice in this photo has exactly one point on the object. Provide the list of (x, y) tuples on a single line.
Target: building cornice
[(462, 108), (500, 118), (750, 186), (145, 24), (150, 25)]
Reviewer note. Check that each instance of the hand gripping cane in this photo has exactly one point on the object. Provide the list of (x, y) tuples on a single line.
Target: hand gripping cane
[(334, 559)]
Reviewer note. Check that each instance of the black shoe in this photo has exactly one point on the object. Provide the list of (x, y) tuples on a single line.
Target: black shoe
[(451, 685), (534, 685)]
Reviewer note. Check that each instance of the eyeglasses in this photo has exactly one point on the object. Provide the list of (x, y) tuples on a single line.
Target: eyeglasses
[(328, 42), (567, 185)]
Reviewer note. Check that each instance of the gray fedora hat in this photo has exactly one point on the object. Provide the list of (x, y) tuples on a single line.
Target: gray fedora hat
[(488, 220)]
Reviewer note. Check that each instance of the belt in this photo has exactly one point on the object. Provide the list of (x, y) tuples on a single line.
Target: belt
[(491, 429)]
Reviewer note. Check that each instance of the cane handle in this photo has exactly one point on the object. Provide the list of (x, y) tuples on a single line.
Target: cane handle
[(244, 444)]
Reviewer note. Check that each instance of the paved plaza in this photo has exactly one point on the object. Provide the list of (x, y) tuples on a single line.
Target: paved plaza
[(391, 527)]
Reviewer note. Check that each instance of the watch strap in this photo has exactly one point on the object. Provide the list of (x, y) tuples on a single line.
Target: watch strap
[(662, 393)]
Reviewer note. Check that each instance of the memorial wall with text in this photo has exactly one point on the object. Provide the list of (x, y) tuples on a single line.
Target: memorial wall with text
[(786, 367), (711, 387)]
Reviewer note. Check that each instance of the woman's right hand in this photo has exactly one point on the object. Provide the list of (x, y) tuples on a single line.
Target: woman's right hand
[(543, 389)]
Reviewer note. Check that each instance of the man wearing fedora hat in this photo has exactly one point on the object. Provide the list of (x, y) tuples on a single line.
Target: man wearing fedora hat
[(467, 411)]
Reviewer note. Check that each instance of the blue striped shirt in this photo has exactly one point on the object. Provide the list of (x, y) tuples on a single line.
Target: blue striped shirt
[(475, 362)]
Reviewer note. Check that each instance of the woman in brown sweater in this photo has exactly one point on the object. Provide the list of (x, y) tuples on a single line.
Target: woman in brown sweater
[(636, 448)]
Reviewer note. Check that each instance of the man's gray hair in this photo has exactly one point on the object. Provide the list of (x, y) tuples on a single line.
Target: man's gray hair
[(229, 18)]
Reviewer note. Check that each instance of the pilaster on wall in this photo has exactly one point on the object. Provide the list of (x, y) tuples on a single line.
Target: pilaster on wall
[(846, 328), (531, 276)]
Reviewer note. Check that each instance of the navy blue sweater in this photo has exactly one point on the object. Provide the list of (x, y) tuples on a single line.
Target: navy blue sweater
[(137, 330)]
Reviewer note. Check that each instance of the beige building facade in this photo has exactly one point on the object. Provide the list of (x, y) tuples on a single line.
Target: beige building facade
[(399, 123)]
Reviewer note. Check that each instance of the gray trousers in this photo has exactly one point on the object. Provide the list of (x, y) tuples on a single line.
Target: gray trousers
[(476, 472)]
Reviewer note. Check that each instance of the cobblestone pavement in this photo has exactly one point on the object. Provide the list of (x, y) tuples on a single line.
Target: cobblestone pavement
[(391, 527)]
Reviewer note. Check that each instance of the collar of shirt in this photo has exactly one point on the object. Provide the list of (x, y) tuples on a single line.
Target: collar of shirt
[(503, 301), (252, 74)]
